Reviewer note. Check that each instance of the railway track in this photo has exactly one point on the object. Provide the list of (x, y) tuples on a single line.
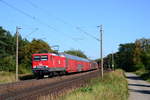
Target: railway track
[(33, 89)]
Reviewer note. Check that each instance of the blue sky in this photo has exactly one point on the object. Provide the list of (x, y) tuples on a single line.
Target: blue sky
[(55, 21)]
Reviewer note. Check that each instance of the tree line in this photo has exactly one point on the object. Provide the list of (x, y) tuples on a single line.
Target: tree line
[(25, 51), (131, 56)]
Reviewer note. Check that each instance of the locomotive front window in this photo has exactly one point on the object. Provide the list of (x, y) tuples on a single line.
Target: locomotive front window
[(44, 57), (36, 58)]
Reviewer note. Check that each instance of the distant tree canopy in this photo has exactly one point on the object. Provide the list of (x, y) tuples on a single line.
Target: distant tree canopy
[(37, 46), (78, 53), (132, 56)]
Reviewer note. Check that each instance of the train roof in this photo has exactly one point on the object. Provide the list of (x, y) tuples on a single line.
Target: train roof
[(67, 56), (75, 57)]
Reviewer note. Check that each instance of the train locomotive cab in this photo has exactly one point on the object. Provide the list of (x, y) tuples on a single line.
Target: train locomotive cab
[(47, 64)]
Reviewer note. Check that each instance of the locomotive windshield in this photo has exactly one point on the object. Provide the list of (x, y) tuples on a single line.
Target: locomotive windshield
[(41, 58), (44, 57), (36, 58)]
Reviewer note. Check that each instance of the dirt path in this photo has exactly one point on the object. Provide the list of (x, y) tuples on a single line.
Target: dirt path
[(138, 89)]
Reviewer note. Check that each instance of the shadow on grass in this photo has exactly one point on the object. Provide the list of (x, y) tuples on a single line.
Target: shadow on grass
[(27, 77), (141, 91), (134, 77), (146, 76), (143, 85)]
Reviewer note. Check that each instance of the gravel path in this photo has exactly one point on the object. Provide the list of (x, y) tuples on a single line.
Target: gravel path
[(138, 89)]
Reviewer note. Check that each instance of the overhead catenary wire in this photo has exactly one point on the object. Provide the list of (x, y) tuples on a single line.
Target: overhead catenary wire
[(39, 21), (88, 34), (46, 12), (61, 20), (35, 30), (34, 18), (26, 14)]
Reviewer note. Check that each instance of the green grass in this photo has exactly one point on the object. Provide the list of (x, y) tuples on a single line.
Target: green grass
[(144, 74), (112, 87), (6, 77)]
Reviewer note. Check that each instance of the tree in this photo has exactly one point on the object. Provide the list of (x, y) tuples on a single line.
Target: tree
[(3, 42), (145, 52), (134, 56), (26, 49), (137, 56), (125, 56), (146, 60), (36, 46), (7, 64)]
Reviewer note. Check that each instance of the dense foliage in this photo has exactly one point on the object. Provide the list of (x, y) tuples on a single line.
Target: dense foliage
[(132, 56), (26, 49)]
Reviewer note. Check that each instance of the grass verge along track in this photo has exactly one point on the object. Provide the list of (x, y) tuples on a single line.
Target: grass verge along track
[(113, 86), (33, 89)]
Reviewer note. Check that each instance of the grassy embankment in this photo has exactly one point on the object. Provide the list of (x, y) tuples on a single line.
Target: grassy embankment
[(112, 87), (7, 77), (144, 74)]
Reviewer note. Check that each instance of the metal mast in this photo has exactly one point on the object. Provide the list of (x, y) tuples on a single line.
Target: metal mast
[(101, 48), (17, 43)]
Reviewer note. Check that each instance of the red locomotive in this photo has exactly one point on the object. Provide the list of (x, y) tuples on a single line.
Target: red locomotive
[(50, 63)]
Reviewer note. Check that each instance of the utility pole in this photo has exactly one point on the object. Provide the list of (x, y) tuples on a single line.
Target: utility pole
[(113, 61), (101, 48), (17, 34)]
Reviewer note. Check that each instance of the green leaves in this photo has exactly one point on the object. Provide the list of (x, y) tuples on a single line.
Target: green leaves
[(131, 56), (86, 89), (26, 49), (134, 56), (7, 64)]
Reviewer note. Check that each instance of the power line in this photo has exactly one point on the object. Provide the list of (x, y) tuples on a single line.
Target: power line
[(40, 21), (20, 11), (44, 10), (26, 14), (36, 29), (63, 21), (87, 33), (32, 17)]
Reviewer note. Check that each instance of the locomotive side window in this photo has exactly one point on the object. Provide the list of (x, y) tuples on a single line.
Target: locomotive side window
[(36, 58), (44, 57)]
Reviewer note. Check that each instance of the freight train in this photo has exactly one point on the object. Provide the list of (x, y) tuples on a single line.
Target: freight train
[(51, 63)]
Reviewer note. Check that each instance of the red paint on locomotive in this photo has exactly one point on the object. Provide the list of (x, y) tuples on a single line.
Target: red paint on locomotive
[(45, 63)]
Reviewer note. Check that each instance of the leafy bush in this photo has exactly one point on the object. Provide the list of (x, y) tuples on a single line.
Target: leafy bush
[(7, 64)]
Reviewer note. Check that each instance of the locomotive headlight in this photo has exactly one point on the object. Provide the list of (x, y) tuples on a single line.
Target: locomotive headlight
[(34, 66), (46, 66)]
